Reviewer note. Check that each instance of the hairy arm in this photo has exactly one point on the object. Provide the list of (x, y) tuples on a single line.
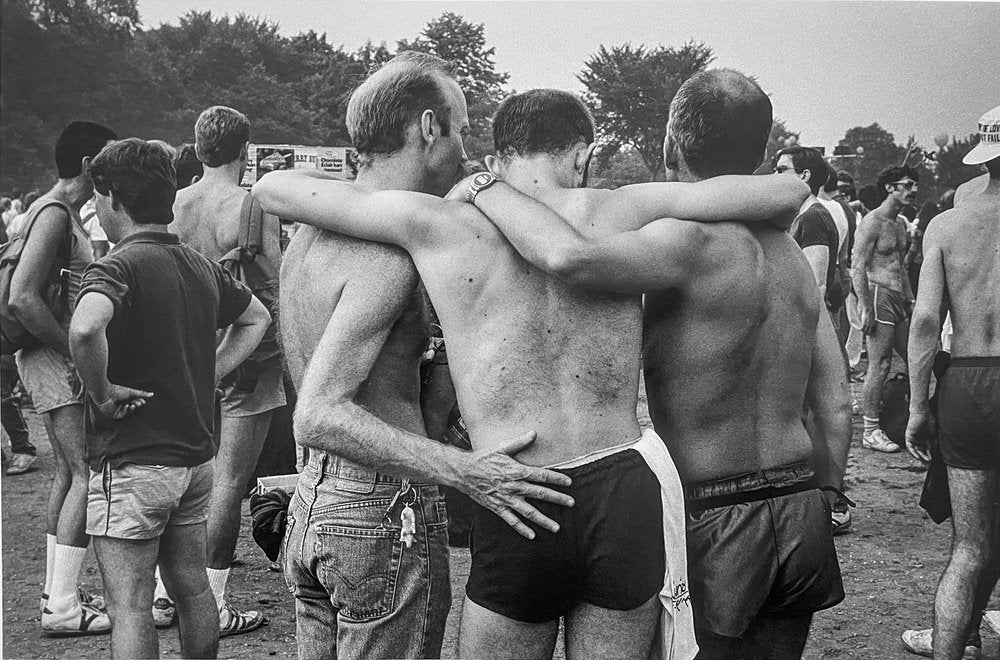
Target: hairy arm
[(723, 198), (861, 262), (242, 338), (89, 344), (828, 399), (653, 257), (31, 277), (387, 216), (925, 329), (328, 417)]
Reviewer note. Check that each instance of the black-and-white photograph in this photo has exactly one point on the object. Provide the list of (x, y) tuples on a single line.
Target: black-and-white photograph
[(591, 329)]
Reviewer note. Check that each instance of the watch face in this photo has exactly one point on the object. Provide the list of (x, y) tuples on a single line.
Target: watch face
[(482, 179)]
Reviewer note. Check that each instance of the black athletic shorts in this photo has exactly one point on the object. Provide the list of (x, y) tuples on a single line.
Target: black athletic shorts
[(969, 413), (608, 551), (772, 557)]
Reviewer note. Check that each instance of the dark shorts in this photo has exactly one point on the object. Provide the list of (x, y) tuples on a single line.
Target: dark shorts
[(969, 413), (890, 305), (608, 551), (771, 557)]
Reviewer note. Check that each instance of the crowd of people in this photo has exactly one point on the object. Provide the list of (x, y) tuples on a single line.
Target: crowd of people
[(744, 302)]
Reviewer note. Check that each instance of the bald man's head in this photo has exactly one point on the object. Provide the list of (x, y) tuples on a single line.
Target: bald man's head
[(719, 122)]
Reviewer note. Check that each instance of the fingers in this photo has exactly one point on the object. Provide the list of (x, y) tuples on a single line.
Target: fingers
[(544, 494), (517, 513), (518, 443), (511, 519), (545, 476), (918, 452)]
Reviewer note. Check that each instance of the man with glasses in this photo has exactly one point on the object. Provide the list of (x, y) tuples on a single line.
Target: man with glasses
[(885, 298), (814, 229)]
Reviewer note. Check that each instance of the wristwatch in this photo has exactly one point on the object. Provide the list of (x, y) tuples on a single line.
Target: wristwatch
[(481, 181)]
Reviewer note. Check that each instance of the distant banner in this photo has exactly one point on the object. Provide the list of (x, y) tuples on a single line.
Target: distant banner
[(265, 158)]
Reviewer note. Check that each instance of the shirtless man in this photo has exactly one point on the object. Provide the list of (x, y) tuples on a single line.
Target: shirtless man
[(734, 343), (884, 296), (527, 351), (207, 218), (961, 272)]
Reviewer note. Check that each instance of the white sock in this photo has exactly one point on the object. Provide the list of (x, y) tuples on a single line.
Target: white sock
[(65, 575), (50, 561), (217, 579), (160, 591)]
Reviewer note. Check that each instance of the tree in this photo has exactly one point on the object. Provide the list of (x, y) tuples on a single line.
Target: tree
[(951, 172), (630, 90), (878, 151), (452, 38)]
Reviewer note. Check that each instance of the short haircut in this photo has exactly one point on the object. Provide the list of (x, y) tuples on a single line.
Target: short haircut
[(807, 158), (541, 121), (720, 121), (220, 134), (142, 177), (894, 174), (392, 98), (187, 165), (843, 175), (79, 140)]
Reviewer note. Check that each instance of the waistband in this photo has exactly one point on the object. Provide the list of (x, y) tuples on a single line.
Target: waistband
[(592, 456), (348, 471), (993, 361), (777, 477)]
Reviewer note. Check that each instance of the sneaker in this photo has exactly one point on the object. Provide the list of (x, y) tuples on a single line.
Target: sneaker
[(921, 642), (21, 463), (163, 612), (841, 517), (879, 441), (75, 622), (235, 622)]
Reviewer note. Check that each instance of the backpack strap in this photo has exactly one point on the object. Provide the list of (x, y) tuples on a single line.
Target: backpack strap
[(251, 236)]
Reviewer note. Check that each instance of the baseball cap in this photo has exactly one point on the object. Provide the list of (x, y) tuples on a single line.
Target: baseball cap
[(989, 139)]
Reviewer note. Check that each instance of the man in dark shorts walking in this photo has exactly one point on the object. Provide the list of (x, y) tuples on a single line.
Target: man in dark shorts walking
[(884, 296), (962, 267), (143, 338)]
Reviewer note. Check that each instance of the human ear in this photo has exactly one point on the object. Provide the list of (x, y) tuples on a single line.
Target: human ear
[(428, 128), (492, 164)]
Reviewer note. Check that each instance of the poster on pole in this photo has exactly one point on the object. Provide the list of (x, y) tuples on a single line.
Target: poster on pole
[(262, 159)]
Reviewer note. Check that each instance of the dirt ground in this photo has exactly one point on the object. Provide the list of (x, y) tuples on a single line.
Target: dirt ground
[(891, 560)]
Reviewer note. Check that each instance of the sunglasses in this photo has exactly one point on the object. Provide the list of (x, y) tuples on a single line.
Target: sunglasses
[(907, 185), (781, 169)]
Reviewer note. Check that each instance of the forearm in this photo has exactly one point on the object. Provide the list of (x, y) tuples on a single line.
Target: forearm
[(237, 344), (37, 319), (352, 432), (921, 350), (540, 235), (831, 439), (90, 356), (859, 278)]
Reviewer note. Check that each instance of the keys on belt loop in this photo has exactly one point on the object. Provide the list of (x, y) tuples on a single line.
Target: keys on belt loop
[(407, 518)]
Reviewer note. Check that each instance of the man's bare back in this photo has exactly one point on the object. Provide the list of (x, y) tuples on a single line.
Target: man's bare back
[(319, 266), (527, 350), (207, 217), (727, 355), (967, 240)]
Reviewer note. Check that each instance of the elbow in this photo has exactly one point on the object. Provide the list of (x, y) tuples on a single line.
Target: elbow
[(319, 424), (20, 304), (569, 265)]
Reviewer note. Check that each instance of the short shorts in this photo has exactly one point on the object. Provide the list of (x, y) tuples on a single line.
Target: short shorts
[(770, 557), (890, 305), (969, 413), (267, 394), (50, 378), (608, 551), (139, 501)]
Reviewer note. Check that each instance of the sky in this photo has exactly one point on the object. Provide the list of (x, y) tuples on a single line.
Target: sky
[(916, 68)]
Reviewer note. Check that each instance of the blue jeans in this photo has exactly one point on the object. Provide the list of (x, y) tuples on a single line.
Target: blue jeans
[(360, 592)]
